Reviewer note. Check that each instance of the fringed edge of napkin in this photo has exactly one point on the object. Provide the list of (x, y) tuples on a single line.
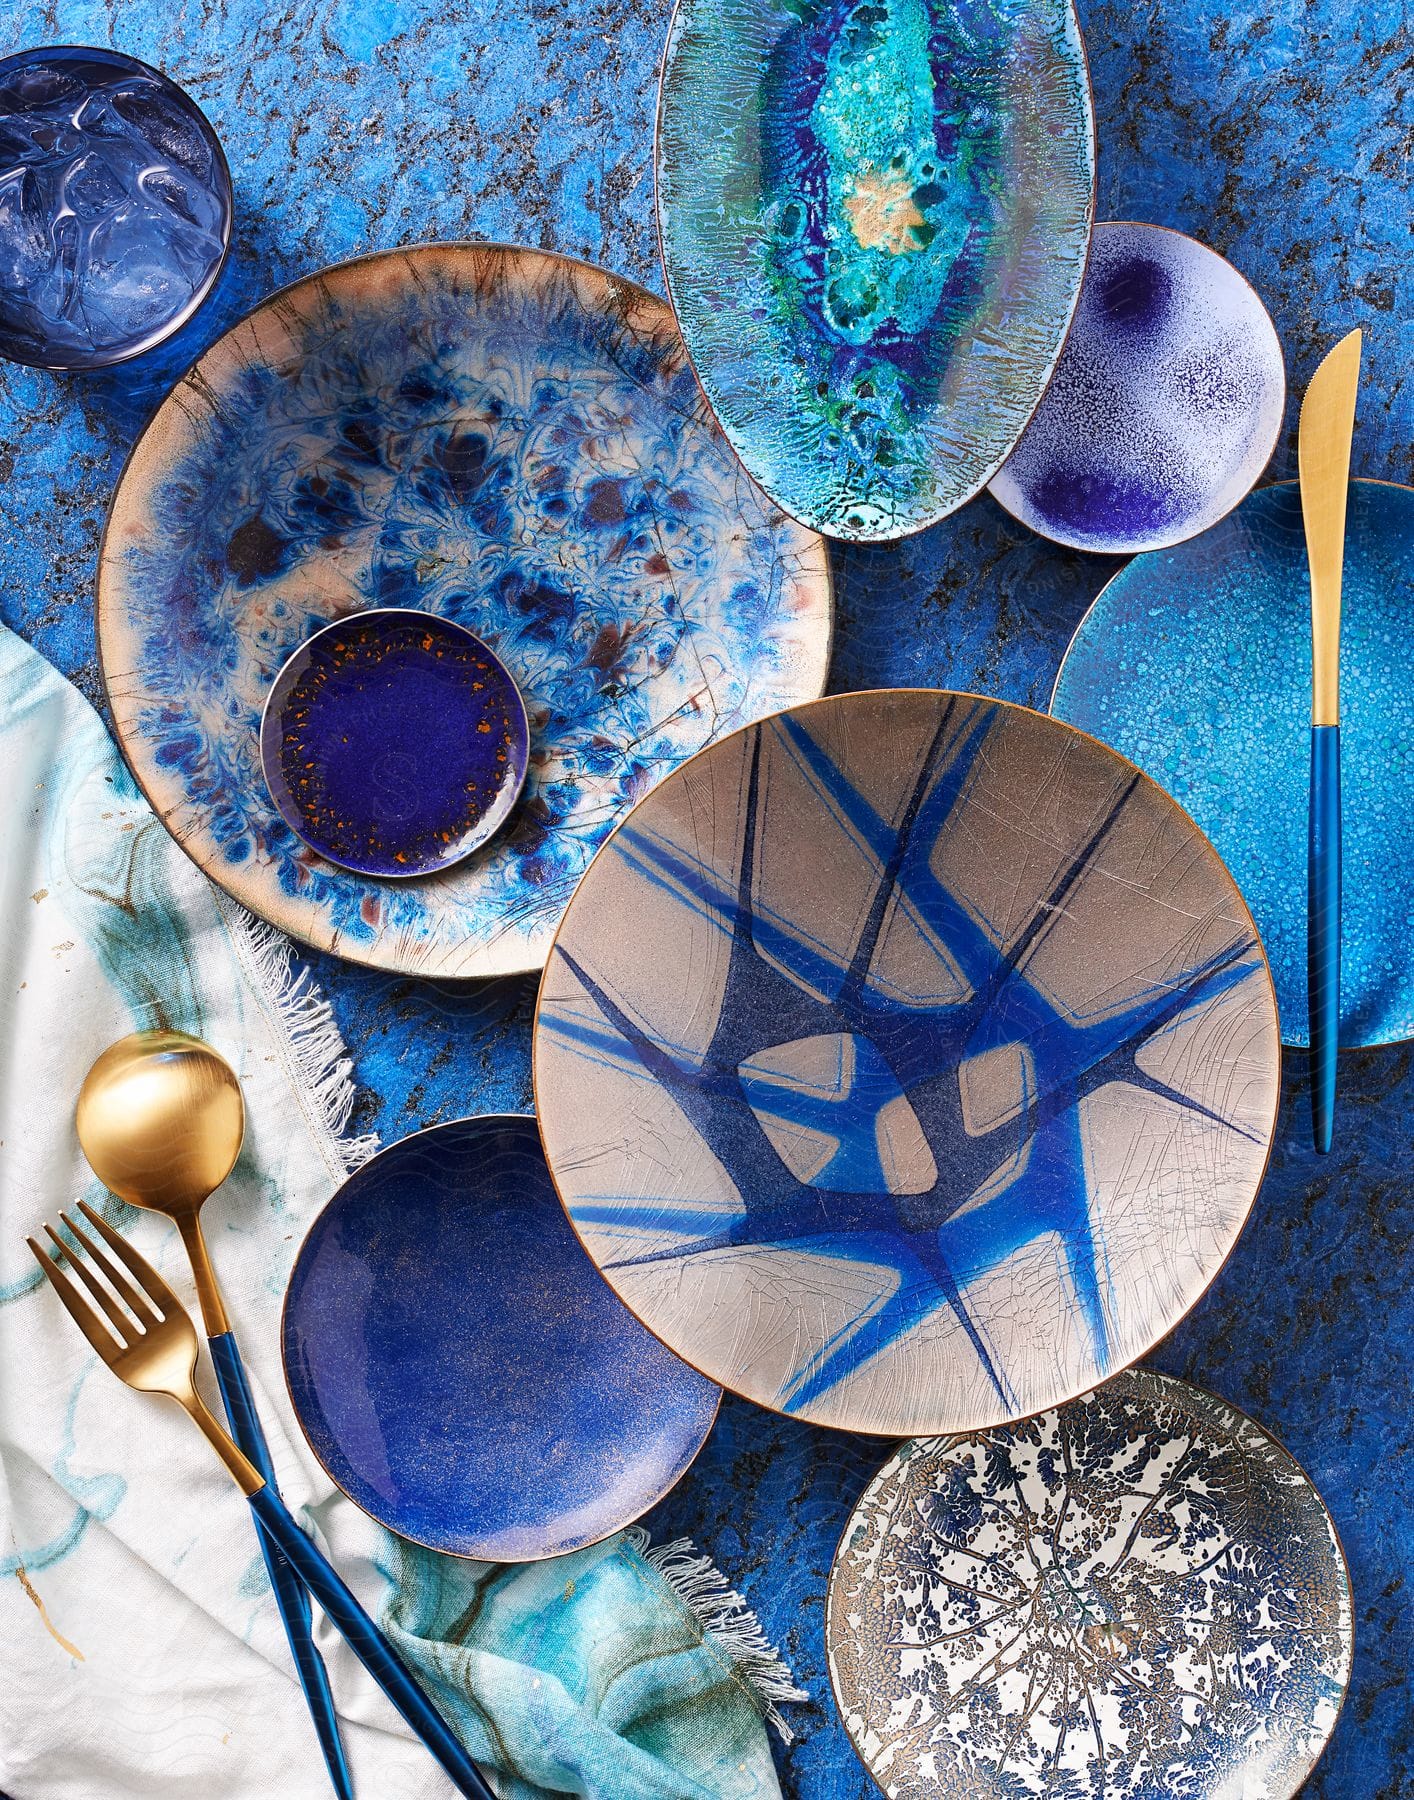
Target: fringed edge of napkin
[(321, 1059), (726, 1620)]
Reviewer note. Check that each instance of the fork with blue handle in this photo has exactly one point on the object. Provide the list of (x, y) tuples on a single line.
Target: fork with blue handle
[(141, 1330)]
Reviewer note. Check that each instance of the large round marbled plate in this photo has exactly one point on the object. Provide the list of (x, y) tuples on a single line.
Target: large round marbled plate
[(460, 1369), (874, 217), (509, 438), (1138, 1595), (1196, 663), (908, 1062)]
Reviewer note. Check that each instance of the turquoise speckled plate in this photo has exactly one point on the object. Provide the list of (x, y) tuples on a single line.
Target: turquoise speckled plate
[(1196, 664), (874, 217), (510, 439)]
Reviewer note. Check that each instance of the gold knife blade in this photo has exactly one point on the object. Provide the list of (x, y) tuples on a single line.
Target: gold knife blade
[(1323, 461)]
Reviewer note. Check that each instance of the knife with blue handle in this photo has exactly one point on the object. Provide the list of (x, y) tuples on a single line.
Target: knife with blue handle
[(1323, 460)]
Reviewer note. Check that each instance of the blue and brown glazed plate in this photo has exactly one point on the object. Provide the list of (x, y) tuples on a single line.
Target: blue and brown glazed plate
[(874, 217), (458, 1365), (513, 441), (1196, 663), (394, 742), (1139, 1594), (908, 1062), (1165, 406)]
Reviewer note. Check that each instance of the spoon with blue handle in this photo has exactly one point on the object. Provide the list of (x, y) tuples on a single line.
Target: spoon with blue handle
[(160, 1119), (1323, 458)]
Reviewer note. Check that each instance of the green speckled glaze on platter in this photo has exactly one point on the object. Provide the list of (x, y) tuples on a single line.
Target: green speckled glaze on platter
[(874, 218), (1196, 664)]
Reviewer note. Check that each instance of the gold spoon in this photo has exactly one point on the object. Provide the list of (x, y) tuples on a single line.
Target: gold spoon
[(160, 1118)]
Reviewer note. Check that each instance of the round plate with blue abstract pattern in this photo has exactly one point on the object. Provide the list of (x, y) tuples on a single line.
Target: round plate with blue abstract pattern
[(394, 742), (512, 440), (907, 1062), (1137, 1595), (874, 217), (1165, 405), (1196, 662), (460, 1369)]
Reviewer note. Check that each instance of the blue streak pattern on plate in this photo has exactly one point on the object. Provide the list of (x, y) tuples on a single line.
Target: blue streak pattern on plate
[(874, 217), (1138, 1595), (458, 1365), (907, 1062), (511, 439), (1196, 663), (1165, 405)]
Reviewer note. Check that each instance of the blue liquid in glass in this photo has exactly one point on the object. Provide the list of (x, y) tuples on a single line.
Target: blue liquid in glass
[(115, 207)]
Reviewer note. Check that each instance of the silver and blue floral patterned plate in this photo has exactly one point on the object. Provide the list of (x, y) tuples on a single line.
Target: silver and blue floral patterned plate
[(1137, 1595), (1196, 662), (908, 1062), (460, 1369), (874, 217), (1165, 405), (508, 438)]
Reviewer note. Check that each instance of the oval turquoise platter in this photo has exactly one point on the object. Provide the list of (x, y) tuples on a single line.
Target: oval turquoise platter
[(1196, 663), (394, 742), (1139, 1594), (458, 1365), (935, 1076), (1164, 408), (513, 441), (874, 217)]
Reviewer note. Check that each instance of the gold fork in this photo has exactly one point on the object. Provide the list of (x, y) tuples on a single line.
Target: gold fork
[(150, 1342)]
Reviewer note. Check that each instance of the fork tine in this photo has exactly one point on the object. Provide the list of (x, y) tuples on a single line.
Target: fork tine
[(78, 1308), (139, 1302), (154, 1288), (121, 1322)]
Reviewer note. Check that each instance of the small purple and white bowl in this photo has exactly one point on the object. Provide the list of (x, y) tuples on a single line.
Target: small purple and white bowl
[(1165, 406)]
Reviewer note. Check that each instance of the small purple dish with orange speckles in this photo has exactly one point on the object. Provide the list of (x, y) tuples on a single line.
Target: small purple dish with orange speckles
[(394, 742)]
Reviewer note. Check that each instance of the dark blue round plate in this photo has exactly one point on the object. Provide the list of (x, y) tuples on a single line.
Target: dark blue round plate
[(394, 742), (461, 1369)]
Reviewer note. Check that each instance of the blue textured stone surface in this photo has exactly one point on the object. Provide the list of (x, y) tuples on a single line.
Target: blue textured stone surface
[(1280, 131)]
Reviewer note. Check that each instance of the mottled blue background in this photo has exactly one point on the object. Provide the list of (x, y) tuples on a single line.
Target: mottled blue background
[(1278, 130)]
